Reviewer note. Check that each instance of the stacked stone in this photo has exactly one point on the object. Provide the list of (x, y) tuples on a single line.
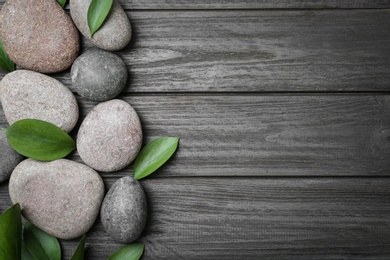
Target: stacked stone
[(64, 197)]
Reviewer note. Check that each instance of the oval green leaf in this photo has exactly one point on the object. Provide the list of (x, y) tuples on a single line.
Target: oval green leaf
[(39, 244), (129, 252), (79, 253), (97, 13), (154, 155), (11, 233), (5, 62), (62, 3), (39, 139)]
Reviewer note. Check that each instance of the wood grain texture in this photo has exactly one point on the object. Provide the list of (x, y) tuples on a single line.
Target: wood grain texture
[(281, 155), (258, 51), (257, 218), (248, 4), (249, 135), (253, 4)]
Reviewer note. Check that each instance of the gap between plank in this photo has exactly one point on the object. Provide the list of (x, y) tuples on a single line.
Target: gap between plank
[(300, 93), (265, 177)]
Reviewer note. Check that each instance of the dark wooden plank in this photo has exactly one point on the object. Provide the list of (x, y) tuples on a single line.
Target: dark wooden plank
[(249, 135), (257, 218), (253, 4), (246, 135), (254, 217), (258, 51), (249, 4)]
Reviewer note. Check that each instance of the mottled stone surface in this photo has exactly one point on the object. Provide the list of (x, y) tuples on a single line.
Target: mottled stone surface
[(61, 197), (38, 35), (113, 35), (8, 158), (110, 136), (28, 94), (98, 75), (124, 210)]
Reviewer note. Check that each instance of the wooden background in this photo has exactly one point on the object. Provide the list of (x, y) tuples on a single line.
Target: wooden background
[(283, 109)]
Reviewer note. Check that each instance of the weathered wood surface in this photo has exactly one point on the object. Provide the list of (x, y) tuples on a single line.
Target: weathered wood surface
[(257, 218), (249, 4), (257, 51), (284, 116), (268, 51), (252, 4), (249, 135)]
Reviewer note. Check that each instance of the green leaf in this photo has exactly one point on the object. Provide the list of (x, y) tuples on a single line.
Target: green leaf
[(25, 253), (129, 252), (79, 253), (97, 12), (5, 62), (39, 140), (154, 155), (40, 245), (62, 3), (11, 233)]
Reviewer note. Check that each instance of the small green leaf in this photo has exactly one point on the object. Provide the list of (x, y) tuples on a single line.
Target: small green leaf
[(79, 253), (97, 13), (40, 245), (5, 62), (39, 139), (154, 155), (11, 233), (62, 3), (129, 252)]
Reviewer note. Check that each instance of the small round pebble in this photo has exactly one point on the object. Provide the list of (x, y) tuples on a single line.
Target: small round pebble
[(124, 210), (98, 75), (9, 158), (29, 94), (61, 197), (110, 136), (39, 35), (113, 35)]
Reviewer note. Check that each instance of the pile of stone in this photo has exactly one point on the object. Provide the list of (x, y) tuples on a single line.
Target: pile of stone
[(64, 197)]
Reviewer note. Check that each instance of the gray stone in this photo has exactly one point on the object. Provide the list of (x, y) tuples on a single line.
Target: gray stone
[(98, 75), (28, 94), (61, 197), (39, 35), (113, 35), (9, 158), (110, 136), (124, 210)]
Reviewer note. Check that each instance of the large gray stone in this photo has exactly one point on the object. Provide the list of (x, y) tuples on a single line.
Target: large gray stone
[(113, 35), (9, 158), (98, 75), (124, 210), (110, 136), (38, 35), (28, 94), (61, 197)]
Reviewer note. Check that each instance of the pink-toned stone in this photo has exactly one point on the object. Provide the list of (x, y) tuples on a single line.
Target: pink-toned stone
[(38, 35), (61, 197), (110, 136), (29, 94)]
